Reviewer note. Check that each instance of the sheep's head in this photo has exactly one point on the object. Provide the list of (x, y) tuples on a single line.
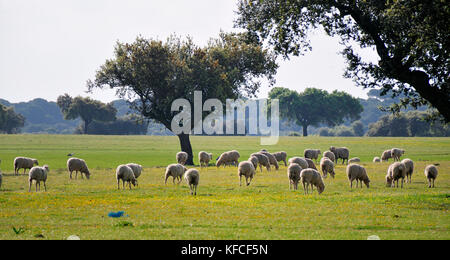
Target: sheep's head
[(332, 149), (321, 187), (332, 173), (46, 168), (35, 162), (134, 182), (88, 174), (389, 181), (210, 156), (184, 169), (367, 182)]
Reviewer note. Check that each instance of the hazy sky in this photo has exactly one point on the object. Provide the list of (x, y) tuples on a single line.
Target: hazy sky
[(52, 47)]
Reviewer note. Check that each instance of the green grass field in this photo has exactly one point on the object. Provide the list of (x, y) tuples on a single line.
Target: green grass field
[(222, 209)]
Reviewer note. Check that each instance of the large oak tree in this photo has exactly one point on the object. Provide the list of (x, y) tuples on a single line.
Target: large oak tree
[(411, 37)]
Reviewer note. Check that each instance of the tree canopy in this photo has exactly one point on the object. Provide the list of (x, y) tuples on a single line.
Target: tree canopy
[(10, 121), (87, 109), (411, 39), (314, 107), (151, 74)]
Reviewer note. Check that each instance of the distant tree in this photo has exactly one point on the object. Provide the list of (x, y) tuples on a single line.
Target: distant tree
[(151, 74), (127, 125), (10, 121), (411, 39), (314, 107), (358, 128), (87, 109)]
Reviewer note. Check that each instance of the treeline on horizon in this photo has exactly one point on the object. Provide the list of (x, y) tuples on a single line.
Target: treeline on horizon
[(40, 116)]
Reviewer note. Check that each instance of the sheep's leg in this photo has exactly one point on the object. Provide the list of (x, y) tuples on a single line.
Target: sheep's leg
[(129, 184), (285, 163), (304, 188), (351, 184), (118, 184), (195, 186), (29, 187), (123, 184), (246, 180), (70, 175), (45, 187), (240, 180)]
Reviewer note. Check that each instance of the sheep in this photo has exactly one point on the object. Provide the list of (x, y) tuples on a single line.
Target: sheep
[(204, 158), (293, 173), (281, 157), (247, 170), (182, 158), (78, 165), (397, 153), (272, 160), (409, 169), (225, 159), (313, 178), (175, 171), (137, 170), (126, 174), (24, 163), (192, 178), (340, 153), (312, 154), (310, 164), (396, 171), (354, 160), (300, 161), (386, 156), (262, 161), (38, 174), (358, 173), (376, 159), (329, 155), (234, 157), (327, 166), (254, 160), (431, 173)]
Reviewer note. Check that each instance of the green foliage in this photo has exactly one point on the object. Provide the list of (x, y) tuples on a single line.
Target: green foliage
[(10, 121), (410, 37), (127, 125), (314, 107)]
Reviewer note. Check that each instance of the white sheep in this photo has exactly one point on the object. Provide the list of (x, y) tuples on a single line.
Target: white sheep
[(262, 161), (126, 174), (376, 159), (247, 170), (293, 173), (175, 171), (272, 160), (224, 159), (24, 163), (409, 169), (397, 153), (311, 154), (313, 178), (431, 173), (78, 165), (354, 160), (300, 161), (281, 157), (204, 158), (137, 169), (254, 160), (396, 171), (192, 178), (386, 156), (327, 166), (182, 158), (340, 153), (38, 174), (329, 155), (358, 173), (234, 157)]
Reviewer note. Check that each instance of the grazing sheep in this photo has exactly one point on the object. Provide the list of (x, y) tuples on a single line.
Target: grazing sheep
[(234, 157), (78, 165), (329, 155), (313, 178), (396, 172), (272, 160), (262, 161), (340, 153), (354, 160), (376, 159), (312, 154), (126, 174), (300, 161), (409, 169), (397, 154), (192, 178), (431, 172), (310, 164), (24, 163), (386, 156), (225, 159), (38, 174), (204, 158), (137, 169), (247, 170), (254, 160), (358, 173), (293, 173), (176, 171), (182, 158), (327, 166), (281, 157)]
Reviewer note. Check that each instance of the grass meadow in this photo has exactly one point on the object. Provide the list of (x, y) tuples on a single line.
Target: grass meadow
[(222, 209)]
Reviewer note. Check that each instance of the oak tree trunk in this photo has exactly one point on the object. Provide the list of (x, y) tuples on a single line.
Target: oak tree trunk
[(186, 147)]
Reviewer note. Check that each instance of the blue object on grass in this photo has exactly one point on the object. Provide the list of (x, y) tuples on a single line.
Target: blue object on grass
[(118, 214)]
